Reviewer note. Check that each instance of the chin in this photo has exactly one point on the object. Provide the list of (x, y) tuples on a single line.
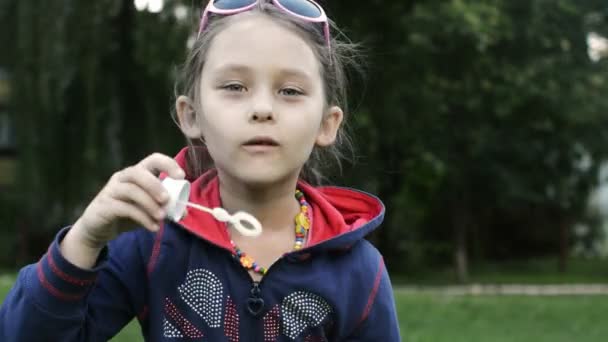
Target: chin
[(263, 177)]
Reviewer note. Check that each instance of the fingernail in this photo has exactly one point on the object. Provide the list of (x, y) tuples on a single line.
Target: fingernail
[(163, 197), (160, 214)]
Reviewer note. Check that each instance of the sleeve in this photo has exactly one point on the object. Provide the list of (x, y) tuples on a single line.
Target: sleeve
[(54, 300), (379, 321)]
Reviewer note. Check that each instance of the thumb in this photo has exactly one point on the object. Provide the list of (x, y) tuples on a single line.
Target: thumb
[(177, 173), (164, 164)]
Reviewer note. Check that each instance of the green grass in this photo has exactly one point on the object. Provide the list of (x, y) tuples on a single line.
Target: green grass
[(436, 318), (130, 333), (534, 271), (439, 318)]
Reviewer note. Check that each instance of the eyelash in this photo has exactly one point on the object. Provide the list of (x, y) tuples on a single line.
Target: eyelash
[(231, 88), (295, 92)]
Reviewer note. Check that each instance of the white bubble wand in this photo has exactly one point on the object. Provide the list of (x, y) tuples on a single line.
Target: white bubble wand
[(179, 192)]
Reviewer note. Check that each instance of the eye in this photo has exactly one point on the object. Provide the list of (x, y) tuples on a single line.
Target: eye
[(234, 87), (291, 92)]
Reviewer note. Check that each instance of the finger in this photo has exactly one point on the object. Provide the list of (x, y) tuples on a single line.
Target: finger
[(130, 192), (157, 162), (133, 213), (141, 177)]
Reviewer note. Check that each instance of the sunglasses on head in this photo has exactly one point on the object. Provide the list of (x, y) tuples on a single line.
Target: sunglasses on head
[(306, 10)]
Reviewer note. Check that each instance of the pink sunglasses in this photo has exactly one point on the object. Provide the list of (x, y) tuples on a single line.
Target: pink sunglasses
[(306, 10)]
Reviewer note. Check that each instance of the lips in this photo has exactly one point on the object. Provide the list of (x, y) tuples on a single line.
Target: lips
[(260, 145), (261, 141)]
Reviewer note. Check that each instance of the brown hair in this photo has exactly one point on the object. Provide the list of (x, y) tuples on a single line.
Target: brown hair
[(335, 62)]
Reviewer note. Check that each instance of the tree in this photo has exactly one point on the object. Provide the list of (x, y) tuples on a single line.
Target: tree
[(478, 127), (92, 94), (493, 103)]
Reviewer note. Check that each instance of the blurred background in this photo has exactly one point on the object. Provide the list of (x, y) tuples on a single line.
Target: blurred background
[(483, 125)]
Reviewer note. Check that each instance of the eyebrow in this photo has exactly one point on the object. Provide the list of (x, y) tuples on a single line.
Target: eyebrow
[(240, 68), (231, 67)]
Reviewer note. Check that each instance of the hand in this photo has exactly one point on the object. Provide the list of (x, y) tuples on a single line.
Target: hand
[(133, 196)]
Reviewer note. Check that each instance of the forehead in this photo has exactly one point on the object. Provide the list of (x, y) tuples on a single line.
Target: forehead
[(258, 42)]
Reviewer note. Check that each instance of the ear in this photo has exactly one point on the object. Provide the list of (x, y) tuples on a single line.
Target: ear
[(329, 126), (186, 115)]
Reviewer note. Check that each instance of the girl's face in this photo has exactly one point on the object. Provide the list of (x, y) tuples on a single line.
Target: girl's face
[(262, 102)]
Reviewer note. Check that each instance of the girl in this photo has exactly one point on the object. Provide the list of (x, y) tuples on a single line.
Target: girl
[(263, 90)]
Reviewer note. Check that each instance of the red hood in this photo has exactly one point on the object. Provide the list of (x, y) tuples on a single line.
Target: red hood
[(335, 211)]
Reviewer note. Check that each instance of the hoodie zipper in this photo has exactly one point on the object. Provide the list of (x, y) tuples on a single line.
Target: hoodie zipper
[(255, 302)]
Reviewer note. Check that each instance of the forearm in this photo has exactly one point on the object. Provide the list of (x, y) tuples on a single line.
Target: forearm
[(55, 300), (23, 319), (47, 302)]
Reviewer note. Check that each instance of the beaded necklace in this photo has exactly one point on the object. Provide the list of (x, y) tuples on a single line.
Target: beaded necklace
[(302, 223)]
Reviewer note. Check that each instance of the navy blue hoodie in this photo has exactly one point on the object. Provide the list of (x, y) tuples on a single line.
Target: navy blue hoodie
[(183, 283)]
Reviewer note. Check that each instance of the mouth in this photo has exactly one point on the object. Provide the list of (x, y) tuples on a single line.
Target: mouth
[(261, 141)]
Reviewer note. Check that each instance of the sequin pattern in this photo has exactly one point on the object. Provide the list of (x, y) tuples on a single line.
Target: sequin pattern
[(231, 322), (272, 324), (186, 327), (301, 310), (202, 291), (169, 331)]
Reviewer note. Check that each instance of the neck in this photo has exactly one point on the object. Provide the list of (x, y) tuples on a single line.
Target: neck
[(274, 206)]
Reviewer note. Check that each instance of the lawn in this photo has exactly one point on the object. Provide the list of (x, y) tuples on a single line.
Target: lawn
[(435, 318), (529, 271), (440, 318)]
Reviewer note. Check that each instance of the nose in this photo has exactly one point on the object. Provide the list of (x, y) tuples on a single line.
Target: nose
[(262, 108), (262, 116)]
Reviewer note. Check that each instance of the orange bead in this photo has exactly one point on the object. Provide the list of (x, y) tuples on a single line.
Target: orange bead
[(246, 261)]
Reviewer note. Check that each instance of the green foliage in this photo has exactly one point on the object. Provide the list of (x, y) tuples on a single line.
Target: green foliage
[(490, 110), (480, 117), (92, 94)]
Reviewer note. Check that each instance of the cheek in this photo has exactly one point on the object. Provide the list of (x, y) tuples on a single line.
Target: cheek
[(211, 118), (305, 132), (310, 121), (214, 131)]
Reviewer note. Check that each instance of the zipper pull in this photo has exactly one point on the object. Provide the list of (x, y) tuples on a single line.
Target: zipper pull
[(255, 303)]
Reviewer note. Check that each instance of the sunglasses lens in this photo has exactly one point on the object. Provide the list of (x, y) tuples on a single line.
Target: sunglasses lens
[(304, 8), (232, 4)]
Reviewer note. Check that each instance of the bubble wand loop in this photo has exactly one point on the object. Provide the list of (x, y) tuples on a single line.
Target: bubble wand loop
[(236, 220), (179, 192)]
